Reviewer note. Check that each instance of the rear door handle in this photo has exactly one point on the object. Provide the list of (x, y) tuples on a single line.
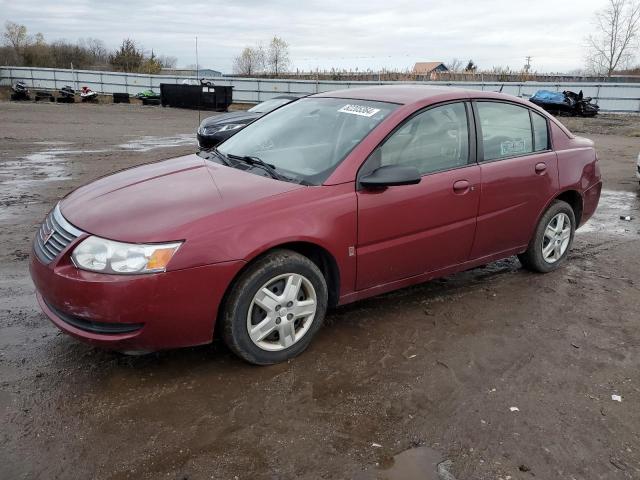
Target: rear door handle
[(461, 187), (541, 168)]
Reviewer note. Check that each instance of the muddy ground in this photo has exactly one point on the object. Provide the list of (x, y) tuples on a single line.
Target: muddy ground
[(390, 388)]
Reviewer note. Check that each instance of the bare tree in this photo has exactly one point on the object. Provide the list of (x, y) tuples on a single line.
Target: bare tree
[(618, 28), (277, 56), (96, 48), (167, 61), (15, 36), (454, 65), (249, 62)]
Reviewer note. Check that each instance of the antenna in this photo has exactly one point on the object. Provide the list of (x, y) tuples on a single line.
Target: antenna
[(199, 83)]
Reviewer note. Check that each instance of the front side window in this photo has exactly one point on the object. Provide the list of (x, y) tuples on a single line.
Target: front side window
[(506, 130), (434, 140), (307, 139), (540, 132)]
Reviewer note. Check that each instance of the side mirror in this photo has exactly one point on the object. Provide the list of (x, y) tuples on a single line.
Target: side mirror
[(391, 176)]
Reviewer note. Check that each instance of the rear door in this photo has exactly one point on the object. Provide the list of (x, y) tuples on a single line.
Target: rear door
[(519, 175), (408, 230)]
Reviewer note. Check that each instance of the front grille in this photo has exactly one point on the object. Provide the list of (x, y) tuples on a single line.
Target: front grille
[(91, 326), (54, 235)]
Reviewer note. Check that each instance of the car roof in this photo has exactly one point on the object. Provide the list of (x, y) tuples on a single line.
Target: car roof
[(408, 94)]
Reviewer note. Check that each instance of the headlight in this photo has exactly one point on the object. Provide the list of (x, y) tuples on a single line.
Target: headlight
[(231, 126), (106, 256)]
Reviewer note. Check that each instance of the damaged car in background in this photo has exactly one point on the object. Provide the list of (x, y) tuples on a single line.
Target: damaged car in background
[(216, 129), (565, 103), (330, 199)]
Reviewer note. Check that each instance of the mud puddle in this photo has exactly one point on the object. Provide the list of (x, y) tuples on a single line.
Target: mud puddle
[(419, 463), (51, 164), (147, 143)]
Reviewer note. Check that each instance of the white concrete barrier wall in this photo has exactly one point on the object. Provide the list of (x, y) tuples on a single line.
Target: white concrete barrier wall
[(611, 97)]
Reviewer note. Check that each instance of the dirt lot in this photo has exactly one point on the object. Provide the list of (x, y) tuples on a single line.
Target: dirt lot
[(391, 387)]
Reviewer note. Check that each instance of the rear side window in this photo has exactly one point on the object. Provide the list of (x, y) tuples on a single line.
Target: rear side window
[(432, 141), (540, 132), (506, 130)]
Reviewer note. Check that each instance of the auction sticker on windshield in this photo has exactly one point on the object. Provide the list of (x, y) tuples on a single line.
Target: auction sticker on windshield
[(361, 110)]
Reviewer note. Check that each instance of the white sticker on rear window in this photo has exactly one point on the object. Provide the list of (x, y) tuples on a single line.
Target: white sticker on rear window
[(511, 147), (361, 110)]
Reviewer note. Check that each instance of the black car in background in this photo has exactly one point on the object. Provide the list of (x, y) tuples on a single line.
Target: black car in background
[(214, 130)]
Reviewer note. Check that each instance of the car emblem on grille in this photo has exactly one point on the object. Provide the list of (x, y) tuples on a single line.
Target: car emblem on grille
[(47, 234)]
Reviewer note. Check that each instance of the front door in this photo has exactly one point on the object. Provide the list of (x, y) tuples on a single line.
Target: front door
[(408, 230)]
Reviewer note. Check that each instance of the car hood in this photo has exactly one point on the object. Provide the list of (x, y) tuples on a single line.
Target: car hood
[(164, 201), (231, 117)]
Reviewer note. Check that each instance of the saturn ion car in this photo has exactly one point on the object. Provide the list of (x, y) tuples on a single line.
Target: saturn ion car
[(333, 198)]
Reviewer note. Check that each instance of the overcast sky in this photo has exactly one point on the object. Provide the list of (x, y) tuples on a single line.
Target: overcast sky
[(329, 33)]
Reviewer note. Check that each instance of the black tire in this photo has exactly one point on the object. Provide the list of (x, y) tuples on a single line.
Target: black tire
[(533, 258), (236, 307)]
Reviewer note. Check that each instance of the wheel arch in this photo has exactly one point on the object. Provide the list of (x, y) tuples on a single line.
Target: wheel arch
[(570, 196), (319, 255), (323, 259), (574, 199)]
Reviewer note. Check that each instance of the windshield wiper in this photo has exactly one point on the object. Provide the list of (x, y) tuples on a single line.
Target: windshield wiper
[(258, 162), (207, 153), (221, 156)]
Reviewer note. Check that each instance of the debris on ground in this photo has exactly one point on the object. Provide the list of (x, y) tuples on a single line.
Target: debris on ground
[(616, 398), (514, 409)]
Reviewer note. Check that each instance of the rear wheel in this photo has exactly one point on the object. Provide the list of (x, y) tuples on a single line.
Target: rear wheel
[(552, 239), (275, 308)]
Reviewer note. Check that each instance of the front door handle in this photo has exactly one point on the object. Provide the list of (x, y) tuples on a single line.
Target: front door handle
[(461, 187), (541, 168)]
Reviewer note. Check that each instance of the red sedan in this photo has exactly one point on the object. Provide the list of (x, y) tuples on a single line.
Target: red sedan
[(328, 200)]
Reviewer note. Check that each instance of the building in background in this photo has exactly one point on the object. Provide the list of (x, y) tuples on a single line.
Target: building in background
[(429, 68)]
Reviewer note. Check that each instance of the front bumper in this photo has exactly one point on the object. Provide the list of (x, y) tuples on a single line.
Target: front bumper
[(133, 312)]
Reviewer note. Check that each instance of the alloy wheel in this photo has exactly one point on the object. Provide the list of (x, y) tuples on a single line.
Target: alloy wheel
[(281, 312), (557, 236)]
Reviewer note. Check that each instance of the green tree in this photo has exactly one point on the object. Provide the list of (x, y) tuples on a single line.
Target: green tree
[(128, 58), (151, 64)]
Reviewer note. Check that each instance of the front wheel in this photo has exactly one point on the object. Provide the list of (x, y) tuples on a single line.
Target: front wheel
[(552, 239), (275, 308)]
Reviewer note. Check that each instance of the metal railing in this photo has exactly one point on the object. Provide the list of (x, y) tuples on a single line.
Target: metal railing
[(611, 97)]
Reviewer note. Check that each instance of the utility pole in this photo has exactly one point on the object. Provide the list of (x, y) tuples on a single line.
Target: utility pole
[(527, 66)]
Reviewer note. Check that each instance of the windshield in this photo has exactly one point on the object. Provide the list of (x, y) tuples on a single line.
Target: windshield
[(266, 107), (308, 139)]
